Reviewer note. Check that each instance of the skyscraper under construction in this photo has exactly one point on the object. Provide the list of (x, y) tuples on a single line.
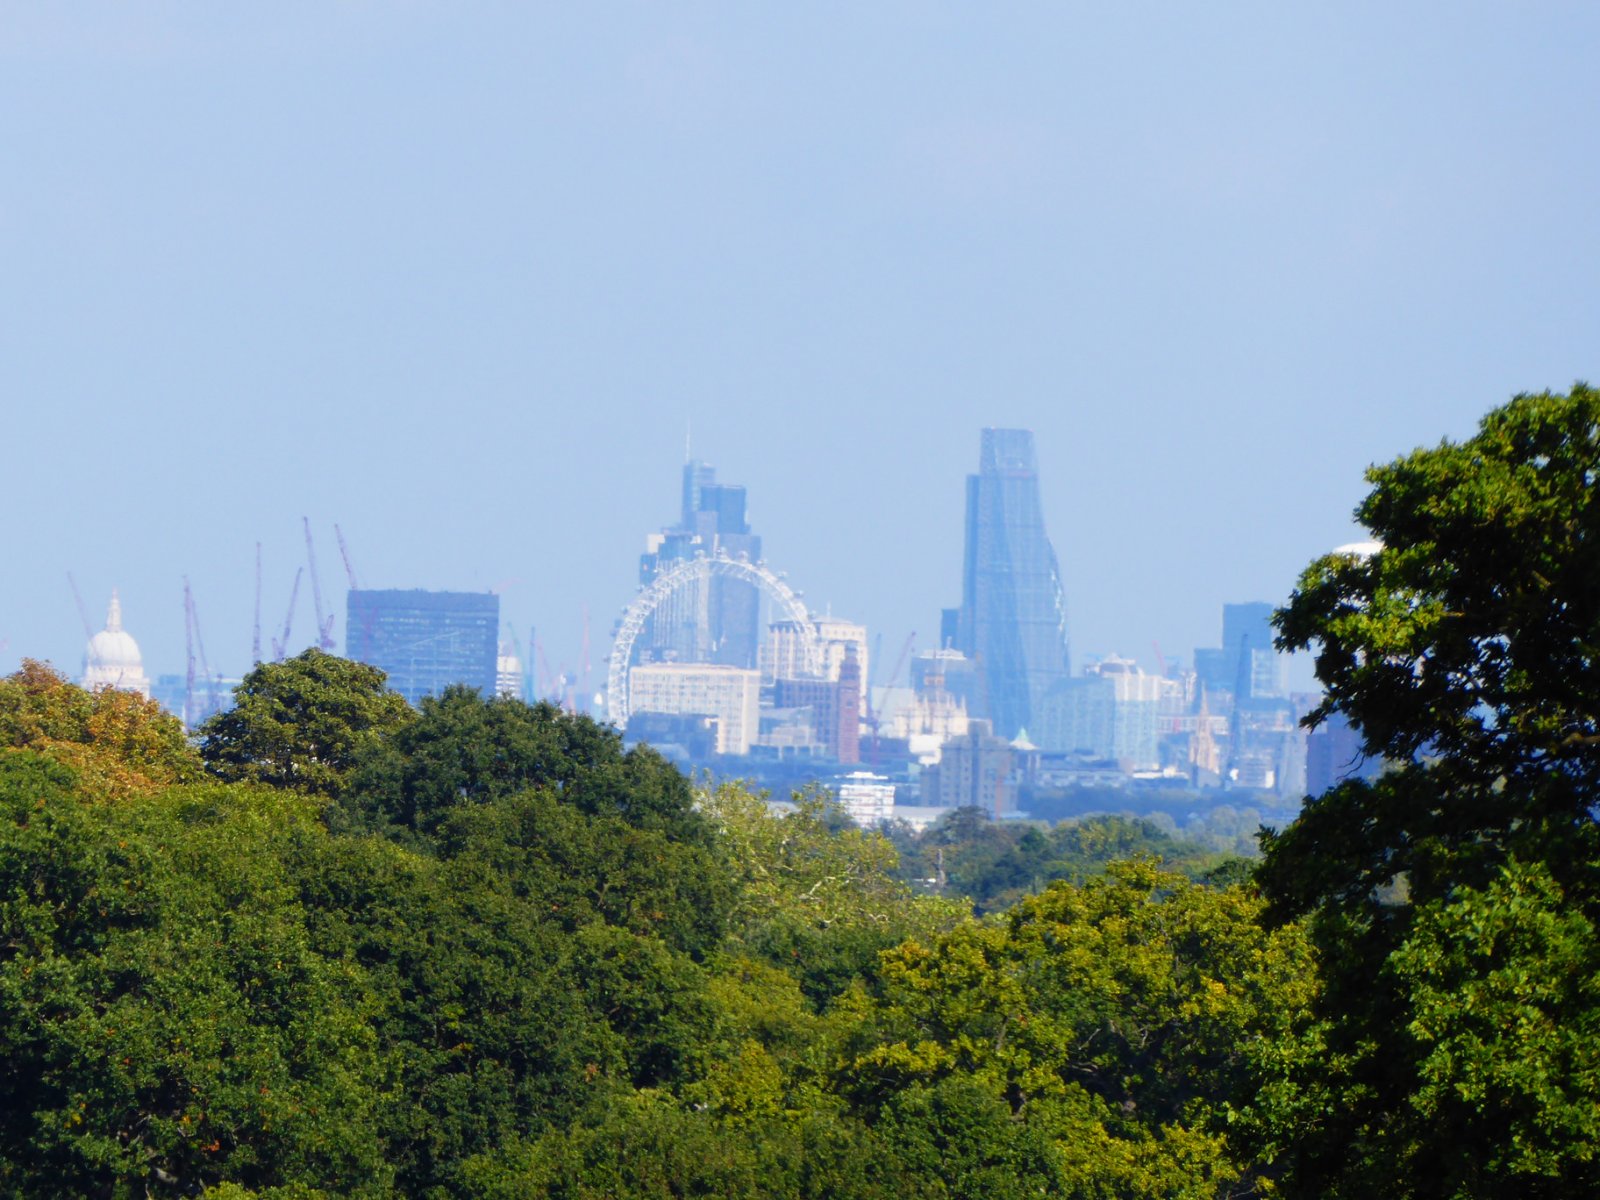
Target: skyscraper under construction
[(1013, 615)]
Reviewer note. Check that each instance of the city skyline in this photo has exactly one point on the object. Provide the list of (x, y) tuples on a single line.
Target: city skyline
[(461, 288), (332, 624)]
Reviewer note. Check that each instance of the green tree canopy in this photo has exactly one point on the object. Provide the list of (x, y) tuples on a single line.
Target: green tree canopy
[(1112, 1017), (1473, 635), (164, 1020), (302, 723), (816, 895), (125, 743), (465, 748), (1467, 649)]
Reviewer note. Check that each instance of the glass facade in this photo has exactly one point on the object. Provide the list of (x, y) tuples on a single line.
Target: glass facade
[(1013, 615), (1247, 629), (425, 641)]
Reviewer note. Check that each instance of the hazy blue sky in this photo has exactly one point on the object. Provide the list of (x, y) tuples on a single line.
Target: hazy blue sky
[(456, 277)]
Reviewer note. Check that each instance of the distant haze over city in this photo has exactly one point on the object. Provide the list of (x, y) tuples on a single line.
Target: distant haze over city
[(465, 285)]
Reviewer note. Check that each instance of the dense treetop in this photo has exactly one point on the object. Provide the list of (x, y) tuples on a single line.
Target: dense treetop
[(302, 723), (1454, 900), (125, 743)]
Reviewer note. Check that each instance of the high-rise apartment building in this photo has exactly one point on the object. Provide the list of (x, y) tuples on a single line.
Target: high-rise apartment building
[(1013, 615), (719, 619), (973, 771), (426, 641)]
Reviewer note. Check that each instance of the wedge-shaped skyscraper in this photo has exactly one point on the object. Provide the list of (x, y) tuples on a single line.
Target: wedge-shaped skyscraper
[(1013, 615)]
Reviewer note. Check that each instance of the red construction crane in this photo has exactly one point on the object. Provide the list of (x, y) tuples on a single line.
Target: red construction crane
[(1161, 659), (324, 622)]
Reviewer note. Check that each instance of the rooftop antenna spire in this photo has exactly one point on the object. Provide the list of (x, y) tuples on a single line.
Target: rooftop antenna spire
[(688, 430)]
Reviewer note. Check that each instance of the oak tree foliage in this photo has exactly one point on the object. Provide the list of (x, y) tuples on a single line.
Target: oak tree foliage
[(1453, 899)]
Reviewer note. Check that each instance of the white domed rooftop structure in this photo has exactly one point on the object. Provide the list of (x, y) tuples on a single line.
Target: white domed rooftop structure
[(1359, 549), (112, 658)]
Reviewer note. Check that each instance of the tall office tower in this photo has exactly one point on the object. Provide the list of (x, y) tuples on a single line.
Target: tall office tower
[(425, 641), (1013, 615), (720, 621), (508, 670), (1246, 631)]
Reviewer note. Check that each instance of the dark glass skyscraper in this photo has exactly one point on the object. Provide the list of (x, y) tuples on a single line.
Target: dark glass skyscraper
[(425, 641), (1013, 615)]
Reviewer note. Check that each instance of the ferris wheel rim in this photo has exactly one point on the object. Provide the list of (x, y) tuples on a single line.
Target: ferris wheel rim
[(701, 567)]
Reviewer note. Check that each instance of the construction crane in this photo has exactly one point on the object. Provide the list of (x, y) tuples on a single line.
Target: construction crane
[(344, 553), (584, 667), (369, 614), (874, 715), (194, 640), (255, 630), (188, 646), (83, 613), (1161, 659), (551, 683), (522, 663), (281, 645), (324, 622)]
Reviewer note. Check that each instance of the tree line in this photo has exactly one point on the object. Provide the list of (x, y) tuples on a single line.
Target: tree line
[(335, 946)]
